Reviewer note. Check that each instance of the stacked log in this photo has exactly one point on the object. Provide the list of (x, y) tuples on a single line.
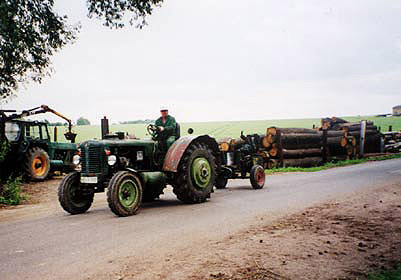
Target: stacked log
[(373, 137), (329, 123), (354, 126), (339, 145), (297, 147), (298, 143), (392, 142)]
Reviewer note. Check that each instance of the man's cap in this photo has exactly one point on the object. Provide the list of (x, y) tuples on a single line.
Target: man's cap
[(163, 109)]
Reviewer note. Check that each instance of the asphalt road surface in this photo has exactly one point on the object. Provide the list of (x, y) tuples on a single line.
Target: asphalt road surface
[(56, 245)]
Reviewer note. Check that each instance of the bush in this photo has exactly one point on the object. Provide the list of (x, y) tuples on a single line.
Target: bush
[(11, 191), (3, 150)]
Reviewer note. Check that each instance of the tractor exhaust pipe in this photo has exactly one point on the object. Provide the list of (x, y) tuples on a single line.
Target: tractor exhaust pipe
[(105, 127)]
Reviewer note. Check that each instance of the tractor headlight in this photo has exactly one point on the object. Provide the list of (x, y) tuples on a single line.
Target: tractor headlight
[(76, 159), (111, 160)]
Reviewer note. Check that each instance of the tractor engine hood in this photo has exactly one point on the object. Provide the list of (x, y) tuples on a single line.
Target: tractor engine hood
[(95, 153)]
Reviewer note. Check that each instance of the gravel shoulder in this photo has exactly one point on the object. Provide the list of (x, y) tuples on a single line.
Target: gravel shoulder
[(341, 239)]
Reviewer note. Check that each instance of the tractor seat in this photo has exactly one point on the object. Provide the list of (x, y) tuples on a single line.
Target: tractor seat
[(177, 131)]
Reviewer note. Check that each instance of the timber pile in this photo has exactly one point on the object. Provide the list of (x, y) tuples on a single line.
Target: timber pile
[(351, 133), (297, 147), (303, 147), (338, 144), (392, 142)]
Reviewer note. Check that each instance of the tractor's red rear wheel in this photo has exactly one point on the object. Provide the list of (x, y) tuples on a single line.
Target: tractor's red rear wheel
[(258, 177)]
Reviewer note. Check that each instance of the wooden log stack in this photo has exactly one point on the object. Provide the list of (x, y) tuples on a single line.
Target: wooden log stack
[(337, 126), (339, 145), (392, 142), (302, 147), (297, 147)]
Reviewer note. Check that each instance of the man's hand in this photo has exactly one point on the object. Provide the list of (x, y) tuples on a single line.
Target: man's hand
[(161, 128)]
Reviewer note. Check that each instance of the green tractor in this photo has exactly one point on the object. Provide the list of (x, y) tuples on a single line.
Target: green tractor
[(134, 170), (30, 148)]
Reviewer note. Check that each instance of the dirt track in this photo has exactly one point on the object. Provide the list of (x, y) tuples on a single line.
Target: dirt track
[(220, 239), (338, 240)]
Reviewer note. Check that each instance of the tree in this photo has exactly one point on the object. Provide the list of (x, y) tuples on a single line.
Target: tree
[(31, 32), (115, 13), (83, 121)]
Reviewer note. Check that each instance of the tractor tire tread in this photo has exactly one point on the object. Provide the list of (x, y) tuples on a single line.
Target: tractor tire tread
[(28, 164), (181, 184), (63, 197), (115, 207)]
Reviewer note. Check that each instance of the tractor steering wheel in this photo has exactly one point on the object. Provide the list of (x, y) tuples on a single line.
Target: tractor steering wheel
[(153, 130)]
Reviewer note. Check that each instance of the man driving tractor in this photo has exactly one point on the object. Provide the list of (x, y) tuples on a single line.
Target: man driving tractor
[(166, 125)]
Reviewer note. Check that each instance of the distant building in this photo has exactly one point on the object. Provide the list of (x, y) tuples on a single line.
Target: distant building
[(397, 110)]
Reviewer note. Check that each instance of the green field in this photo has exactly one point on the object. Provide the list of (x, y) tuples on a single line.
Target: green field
[(224, 129)]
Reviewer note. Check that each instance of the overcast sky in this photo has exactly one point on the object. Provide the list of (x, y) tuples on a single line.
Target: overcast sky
[(209, 60)]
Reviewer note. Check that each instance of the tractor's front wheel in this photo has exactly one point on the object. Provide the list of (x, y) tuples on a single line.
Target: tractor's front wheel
[(71, 196), (124, 193), (196, 174), (258, 177), (37, 164)]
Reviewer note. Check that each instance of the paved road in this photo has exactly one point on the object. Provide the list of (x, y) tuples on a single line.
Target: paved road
[(61, 246)]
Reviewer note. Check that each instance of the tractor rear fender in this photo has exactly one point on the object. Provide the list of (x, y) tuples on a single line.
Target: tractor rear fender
[(177, 150)]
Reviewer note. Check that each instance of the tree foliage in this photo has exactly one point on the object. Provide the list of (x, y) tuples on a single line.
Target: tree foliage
[(31, 32), (115, 13), (83, 121)]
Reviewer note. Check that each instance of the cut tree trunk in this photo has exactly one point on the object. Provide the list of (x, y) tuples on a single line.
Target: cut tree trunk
[(354, 127), (334, 133), (357, 133), (265, 142), (300, 141), (334, 140), (273, 130), (303, 162), (302, 153)]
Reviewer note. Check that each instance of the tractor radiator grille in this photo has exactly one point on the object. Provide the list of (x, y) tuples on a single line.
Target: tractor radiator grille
[(91, 159)]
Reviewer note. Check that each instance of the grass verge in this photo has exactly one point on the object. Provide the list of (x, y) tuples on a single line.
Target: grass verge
[(329, 165)]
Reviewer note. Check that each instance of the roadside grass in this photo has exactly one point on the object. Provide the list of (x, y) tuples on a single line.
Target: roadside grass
[(329, 165), (393, 274)]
